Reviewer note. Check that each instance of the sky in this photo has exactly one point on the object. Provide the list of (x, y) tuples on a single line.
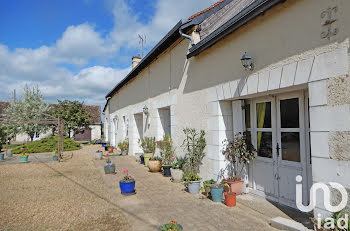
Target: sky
[(79, 49)]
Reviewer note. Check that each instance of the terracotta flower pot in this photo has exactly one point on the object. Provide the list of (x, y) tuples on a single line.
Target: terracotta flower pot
[(110, 150), (230, 199), (154, 165), (235, 185)]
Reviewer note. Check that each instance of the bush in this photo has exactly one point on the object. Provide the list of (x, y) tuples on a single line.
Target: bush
[(48, 144)]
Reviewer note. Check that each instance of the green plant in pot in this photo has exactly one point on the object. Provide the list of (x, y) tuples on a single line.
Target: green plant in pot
[(109, 166), (124, 147), (166, 151), (206, 186), (194, 145), (155, 164), (172, 226), (148, 145), (107, 145), (23, 157), (238, 153), (176, 170), (55, 155)]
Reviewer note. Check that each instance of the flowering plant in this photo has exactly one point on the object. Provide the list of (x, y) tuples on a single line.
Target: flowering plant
[(108, 161), (127, 178), (172, 226), (23, 153)]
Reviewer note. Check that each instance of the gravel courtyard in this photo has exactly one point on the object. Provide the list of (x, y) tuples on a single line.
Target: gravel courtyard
[(76, 195), (70, 195)]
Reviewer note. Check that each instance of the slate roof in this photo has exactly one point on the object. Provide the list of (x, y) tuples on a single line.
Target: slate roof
[(95, 111), (205, 10)]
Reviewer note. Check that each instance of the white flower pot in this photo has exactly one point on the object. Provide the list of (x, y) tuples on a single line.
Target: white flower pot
[(98, 155), (176, 174)]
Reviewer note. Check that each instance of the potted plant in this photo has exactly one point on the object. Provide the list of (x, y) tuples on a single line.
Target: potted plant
[(110, 149), (155, 164), (216, 191), (2, 156), (142, 159), (55, 155), (192, 181), (148, 145), (127, 184), (124, 147), (237, 152), (230, 197), (106, 146), (109, 166), (166, 151), (98, 155), (23, 157), (177, 169), (206, 186), (172, 226), (194, 145)]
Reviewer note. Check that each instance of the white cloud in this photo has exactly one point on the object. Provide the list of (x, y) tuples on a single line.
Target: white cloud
[(167, 14), (46, 65), (81, 43)]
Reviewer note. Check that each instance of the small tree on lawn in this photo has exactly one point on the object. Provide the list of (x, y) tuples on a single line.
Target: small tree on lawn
[(74, 115), (21, 114)]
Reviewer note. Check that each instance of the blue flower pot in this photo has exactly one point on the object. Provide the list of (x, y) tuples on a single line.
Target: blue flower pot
[(127, 187), (142, 160), (104, 144), (9, 154), (23, 159), (216, 193), (2, 156)]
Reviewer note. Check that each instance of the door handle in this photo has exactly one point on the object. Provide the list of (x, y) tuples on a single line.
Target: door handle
[(278, 149)]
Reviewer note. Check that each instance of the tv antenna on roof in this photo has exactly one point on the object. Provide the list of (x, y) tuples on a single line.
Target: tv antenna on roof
[(142, 42)]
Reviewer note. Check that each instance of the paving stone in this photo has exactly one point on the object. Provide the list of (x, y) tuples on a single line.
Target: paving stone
[(158, 201)]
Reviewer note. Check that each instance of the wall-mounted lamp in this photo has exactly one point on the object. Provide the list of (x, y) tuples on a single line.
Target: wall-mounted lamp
[(247, 61), (145, 110)]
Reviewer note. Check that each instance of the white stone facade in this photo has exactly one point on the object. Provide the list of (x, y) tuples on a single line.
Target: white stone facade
[(211, 89)]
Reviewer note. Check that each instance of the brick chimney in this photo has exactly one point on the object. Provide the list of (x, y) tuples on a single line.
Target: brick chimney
[(135, 61)]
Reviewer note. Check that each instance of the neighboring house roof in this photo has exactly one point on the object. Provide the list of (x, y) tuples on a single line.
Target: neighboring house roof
[(95, 112), (205, 10), (242, 17), (3, 106)]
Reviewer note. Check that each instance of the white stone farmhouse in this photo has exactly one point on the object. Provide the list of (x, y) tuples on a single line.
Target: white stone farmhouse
[(294, 99)]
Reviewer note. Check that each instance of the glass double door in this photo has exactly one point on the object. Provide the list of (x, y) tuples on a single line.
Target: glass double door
[(276, 127)]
